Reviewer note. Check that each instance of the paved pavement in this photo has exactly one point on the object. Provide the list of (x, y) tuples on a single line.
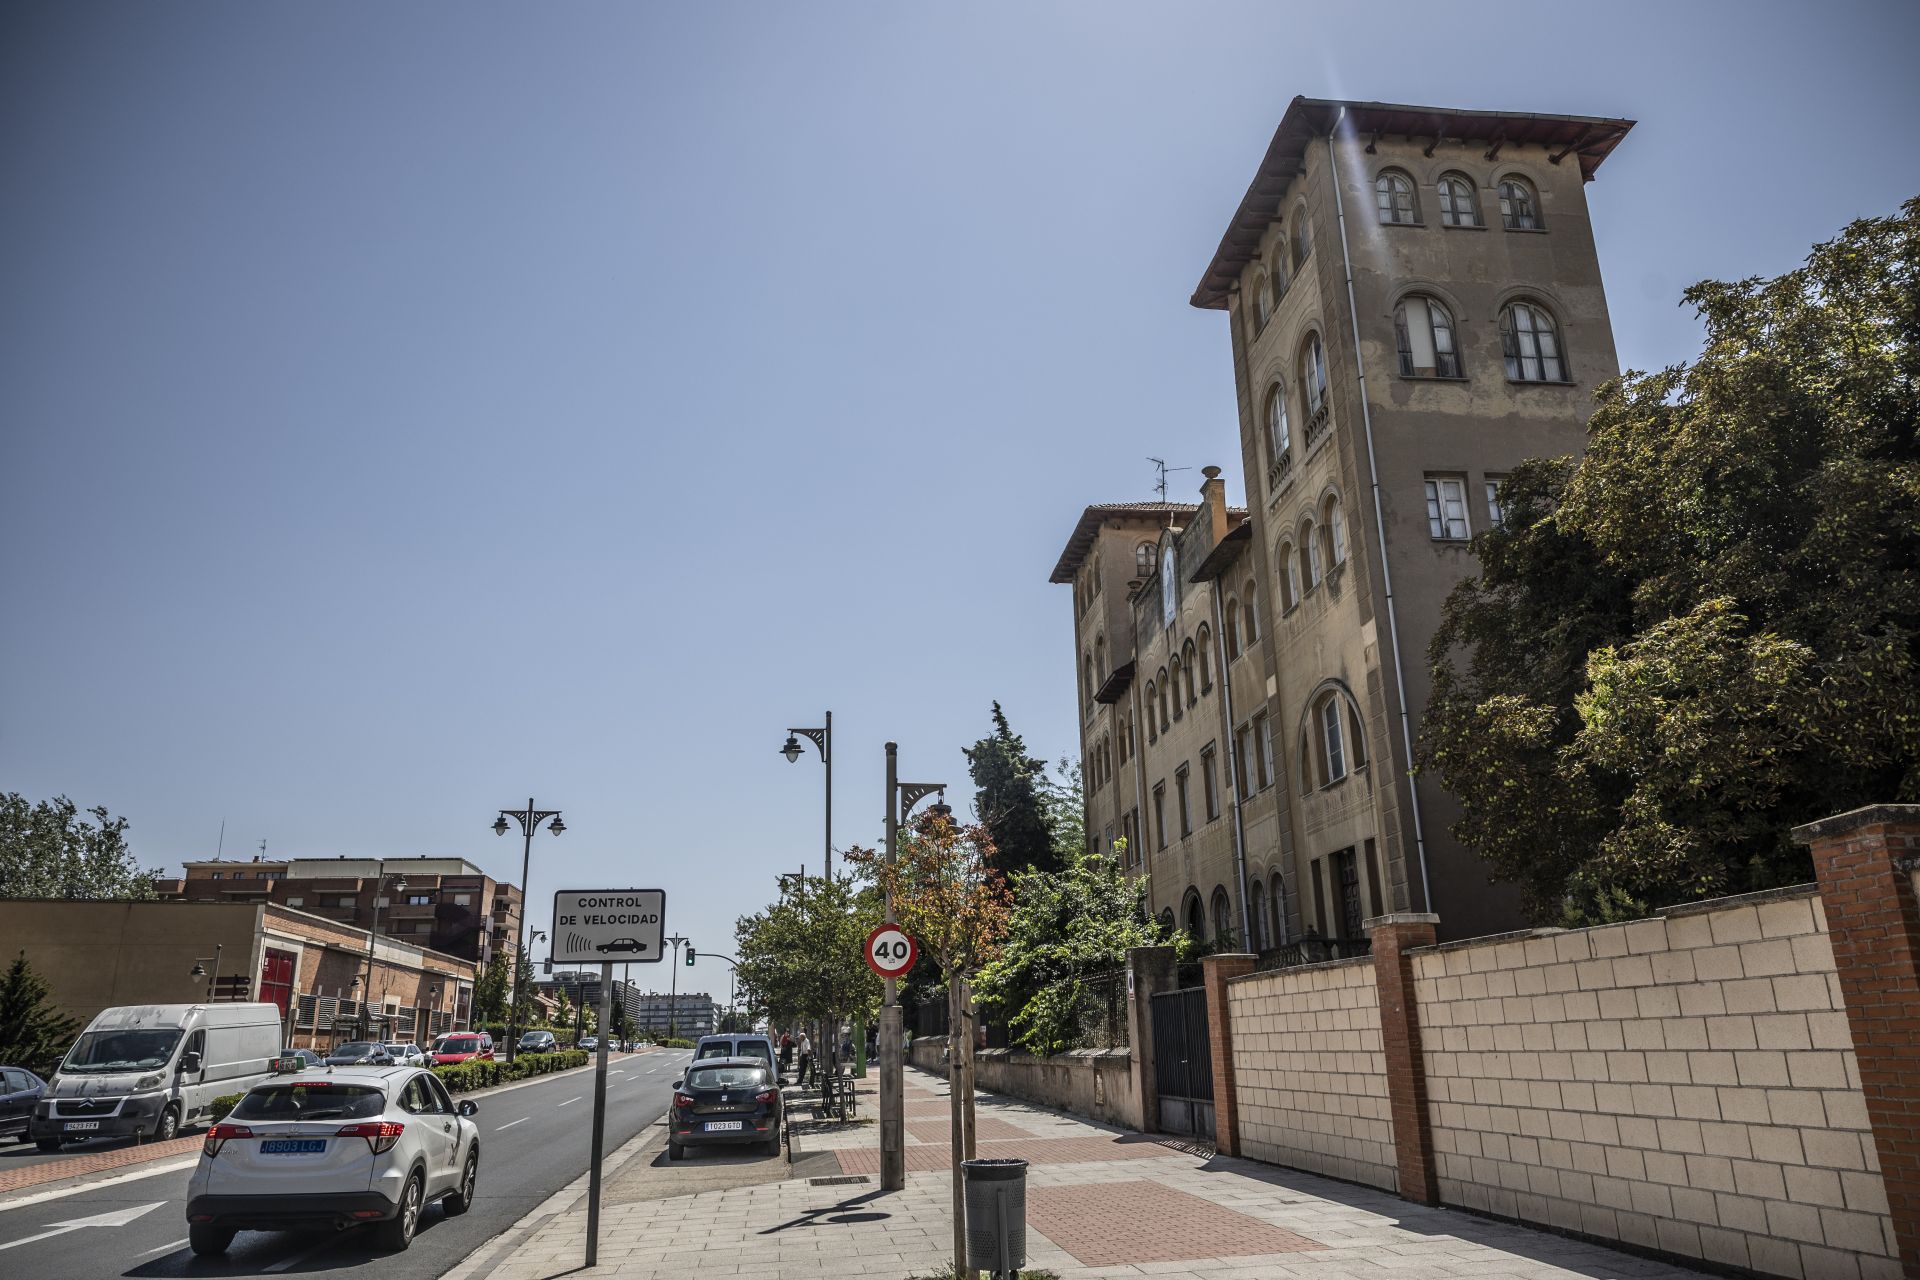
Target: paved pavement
[(131, 1221), (1101, 1202)]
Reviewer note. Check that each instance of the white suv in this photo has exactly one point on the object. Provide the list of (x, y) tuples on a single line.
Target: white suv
[(334, 1148)]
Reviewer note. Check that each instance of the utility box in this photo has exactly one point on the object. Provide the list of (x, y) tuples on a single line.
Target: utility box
[(996, 1200)]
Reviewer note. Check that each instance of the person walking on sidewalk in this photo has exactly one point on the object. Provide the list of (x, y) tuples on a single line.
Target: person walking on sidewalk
[(806, 1056), (786, 1052)]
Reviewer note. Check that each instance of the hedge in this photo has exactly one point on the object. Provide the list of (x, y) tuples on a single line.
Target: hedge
[(674, 1042), (479, 1073), (217, 1110)]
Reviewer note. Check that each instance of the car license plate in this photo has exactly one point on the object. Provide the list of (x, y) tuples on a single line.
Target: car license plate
[(74, 1126), (293, 1146), (723, 1126)]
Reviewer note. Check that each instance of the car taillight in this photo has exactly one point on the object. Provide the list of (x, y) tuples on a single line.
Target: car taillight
[(218, 1136), (682, 1100), (380, 1135), (767, 1095)]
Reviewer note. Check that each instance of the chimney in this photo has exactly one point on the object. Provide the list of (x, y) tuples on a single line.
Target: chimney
[(1213, 505)]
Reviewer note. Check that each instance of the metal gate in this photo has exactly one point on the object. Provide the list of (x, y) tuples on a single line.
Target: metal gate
[(1183, 1062)]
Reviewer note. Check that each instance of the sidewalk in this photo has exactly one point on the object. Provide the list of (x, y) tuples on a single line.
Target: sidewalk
[(1100, 1202)]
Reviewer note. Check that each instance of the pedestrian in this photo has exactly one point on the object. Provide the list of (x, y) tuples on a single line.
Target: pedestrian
[(806, 1056), (786, 1052)]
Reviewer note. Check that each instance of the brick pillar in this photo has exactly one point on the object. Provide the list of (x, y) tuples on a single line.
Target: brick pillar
[(1149, 970), (1215, 971), (1866, 861), (1393, 937)]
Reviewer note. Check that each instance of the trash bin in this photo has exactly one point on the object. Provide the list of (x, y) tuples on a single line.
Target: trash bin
[(996, 1199)]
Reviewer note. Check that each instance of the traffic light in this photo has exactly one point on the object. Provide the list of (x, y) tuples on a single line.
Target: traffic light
[(690, 954)]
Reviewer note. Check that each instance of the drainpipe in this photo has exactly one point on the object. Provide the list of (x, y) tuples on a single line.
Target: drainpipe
[(1140, 772), (1379, 520), (1233, 778)]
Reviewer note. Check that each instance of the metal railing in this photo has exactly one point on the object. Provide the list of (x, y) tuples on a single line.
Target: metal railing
[(1312, 950)]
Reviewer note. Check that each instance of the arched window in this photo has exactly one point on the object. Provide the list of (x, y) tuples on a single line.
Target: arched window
[(1223, 930), (1165, 722), (1252, 618), (1519, 206), (1153, 731), (1232, 612), (1173, 683), (1393, 196), (1166, 920), (1424, 329), (1302, 238), (1279, 903), (1257, 908), (1100, 658), (1263, 301), (1206, 658), (1195, 914), (1310, 555), (1278, 267), (1279, 434), (1335, 520), (1143, 558), (1531, 342), (1332, 739), (1313, 380), (1290, 588), (1188, 656), (1088, 682), (1459, 203)]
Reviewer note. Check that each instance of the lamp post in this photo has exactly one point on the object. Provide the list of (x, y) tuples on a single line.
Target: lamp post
[(200, 971), (673, 985), (901, 797), (823, 739), (529, 819), (433, 1015), (399, 886)]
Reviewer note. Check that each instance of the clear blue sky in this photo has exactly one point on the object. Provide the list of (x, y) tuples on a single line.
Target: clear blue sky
[(407, 408)]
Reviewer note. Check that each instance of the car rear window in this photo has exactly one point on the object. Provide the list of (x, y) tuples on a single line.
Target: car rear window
[(732, 1077), (458, 1044), (722, 1050), (756, 1049), (311, 1100)]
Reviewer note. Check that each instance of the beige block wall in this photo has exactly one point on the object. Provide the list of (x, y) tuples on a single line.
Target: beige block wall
[(1310, 1077), (1686, 1083)]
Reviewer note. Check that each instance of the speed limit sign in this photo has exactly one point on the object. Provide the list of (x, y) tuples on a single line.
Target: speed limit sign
[(890, 952)]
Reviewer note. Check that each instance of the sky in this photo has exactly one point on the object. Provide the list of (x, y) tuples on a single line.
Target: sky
[(406, 409)]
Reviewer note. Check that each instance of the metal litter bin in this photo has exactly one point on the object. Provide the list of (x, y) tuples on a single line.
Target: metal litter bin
[(996, 1199)]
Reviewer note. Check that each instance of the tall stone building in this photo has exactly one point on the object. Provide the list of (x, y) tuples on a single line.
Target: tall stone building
[(1415, 306)]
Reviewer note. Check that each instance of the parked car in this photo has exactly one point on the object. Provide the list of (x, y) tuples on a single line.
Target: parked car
[(589, 1043), (291, 1059), (407, 1055), (148, 1070), (357, 1053), (538, 1042), (20, 1092), (359, 1146), (725, 1101), (461, 1046), (734, 1046)]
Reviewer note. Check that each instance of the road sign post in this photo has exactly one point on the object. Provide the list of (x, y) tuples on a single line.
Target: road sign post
[(605, 927)]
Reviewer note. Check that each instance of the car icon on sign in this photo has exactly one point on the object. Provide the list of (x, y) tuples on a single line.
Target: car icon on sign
[(622, 944)]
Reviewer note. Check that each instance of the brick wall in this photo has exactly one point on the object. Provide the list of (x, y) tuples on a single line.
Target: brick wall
[(1310, 1077)]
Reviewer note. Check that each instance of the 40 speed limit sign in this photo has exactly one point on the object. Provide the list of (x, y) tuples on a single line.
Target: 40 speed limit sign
[(890, 952)]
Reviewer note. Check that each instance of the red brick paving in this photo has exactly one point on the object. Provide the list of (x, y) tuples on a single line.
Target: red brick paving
[(935, 1157), (984, 1128), (1104, 1224), (75, 1165)]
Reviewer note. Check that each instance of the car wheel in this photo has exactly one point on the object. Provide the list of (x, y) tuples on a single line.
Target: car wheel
[(167, 1127), (48, 1145), (676, 1152), (773, 1144), (396, 1233), (461, 1198), (208, 1240)]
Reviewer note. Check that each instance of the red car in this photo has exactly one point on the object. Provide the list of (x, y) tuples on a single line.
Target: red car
[(462, 1046)]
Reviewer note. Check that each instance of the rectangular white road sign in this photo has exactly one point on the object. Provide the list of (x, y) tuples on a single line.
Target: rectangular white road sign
[(609, 926)]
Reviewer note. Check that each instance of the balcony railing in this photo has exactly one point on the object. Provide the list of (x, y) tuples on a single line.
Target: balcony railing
[(1313, 950), (1317, 424)]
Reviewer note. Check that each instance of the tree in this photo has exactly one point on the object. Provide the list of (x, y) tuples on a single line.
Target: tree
[(33, 1032), (1064, 930), (48, 851), (803, 958), (523, 995), (562, 1009), (1010, 801), (1707, 629), (949, 895), (490, 992), (1063, 802)]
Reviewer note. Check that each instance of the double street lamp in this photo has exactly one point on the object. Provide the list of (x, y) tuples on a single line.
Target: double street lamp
[(529, 819)]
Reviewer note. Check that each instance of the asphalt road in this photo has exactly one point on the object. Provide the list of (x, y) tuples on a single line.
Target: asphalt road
[(534, 1140)]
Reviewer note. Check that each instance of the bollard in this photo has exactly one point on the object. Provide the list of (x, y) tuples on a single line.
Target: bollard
[(996, 1200)]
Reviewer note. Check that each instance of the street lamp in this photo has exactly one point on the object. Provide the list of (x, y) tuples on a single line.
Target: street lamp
[(823, 739), (673, 984), (399, 886), (433, 1015), (200, 971), (901, 798), (529, 819)]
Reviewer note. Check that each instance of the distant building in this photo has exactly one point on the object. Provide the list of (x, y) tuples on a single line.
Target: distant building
[(647, 1011), (448, 904)]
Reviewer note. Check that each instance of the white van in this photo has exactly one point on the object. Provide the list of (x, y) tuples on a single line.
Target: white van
[(146, 1070)]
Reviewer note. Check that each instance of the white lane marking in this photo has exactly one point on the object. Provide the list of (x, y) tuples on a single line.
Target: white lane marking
[(165, 1248), (289, 1263), (570, 1101), (616, 1073), (118, 1218), (509, 1124)]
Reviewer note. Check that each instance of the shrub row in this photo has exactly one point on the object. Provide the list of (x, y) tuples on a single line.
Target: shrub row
[(462, 1077), (673, 1042), (219, 1107)]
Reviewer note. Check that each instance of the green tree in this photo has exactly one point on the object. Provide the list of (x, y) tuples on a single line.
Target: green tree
[(523, 996), (33, 1033), (490, 992), (1011, 800), (47, 850), (803, 958), (1066, 929), (1707, 629)]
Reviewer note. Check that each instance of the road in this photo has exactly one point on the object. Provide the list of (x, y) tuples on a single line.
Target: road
[(534, 1140)]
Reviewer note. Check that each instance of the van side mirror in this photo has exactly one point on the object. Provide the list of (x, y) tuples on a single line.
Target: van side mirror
[(189, 1061)]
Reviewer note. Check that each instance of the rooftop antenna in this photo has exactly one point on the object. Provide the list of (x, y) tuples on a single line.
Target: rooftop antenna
[(1160, 485), (222, 844)]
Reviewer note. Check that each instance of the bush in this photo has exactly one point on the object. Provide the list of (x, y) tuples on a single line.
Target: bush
[(220, 1106), (673, 1042), (479, 1073)]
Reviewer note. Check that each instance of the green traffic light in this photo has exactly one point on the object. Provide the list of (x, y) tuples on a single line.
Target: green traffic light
[(690, 954)]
